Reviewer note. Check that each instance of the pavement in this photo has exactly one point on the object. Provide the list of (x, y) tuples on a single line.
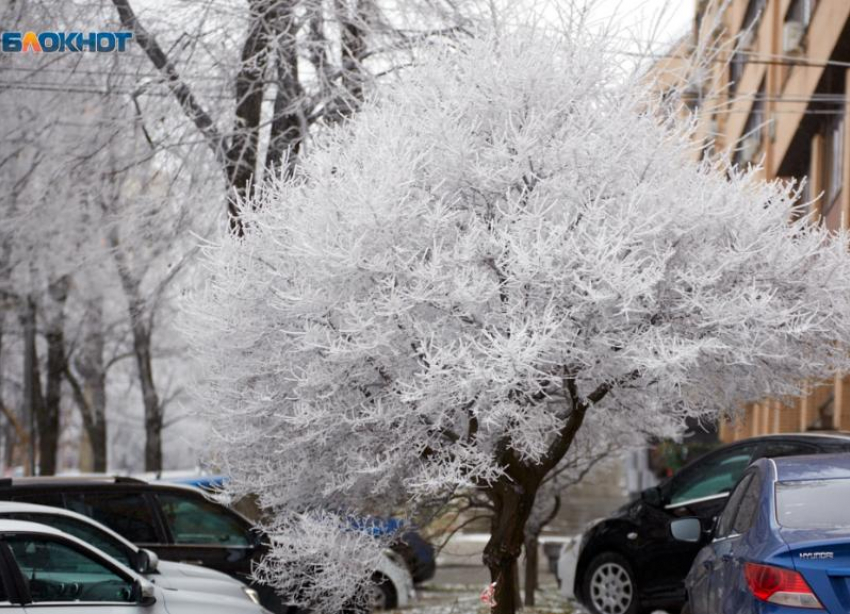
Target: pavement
[(460, 570), (461, 577)]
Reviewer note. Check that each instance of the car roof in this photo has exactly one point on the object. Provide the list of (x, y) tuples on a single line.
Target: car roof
[(65, 480), (89, 481), (838, 435), (8, 507), (23, 526), (812, 467)]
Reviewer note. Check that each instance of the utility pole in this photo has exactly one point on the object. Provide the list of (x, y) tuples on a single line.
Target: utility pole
[(29, 374)]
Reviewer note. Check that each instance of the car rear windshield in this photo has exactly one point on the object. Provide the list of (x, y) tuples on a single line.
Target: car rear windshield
[(813, 504)]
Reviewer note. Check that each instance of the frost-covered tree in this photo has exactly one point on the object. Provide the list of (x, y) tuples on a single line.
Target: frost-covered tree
[(513, 243), (104, 198)]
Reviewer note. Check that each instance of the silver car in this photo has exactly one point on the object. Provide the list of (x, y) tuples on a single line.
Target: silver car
[(166, 574), (46, 570)]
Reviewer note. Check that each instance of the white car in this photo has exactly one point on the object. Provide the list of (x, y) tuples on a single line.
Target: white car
[(567, 563), (166, 574), (394, 584), (46, 570)]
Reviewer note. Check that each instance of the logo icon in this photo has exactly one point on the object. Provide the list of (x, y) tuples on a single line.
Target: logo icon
[(817, 555), (52, 42)]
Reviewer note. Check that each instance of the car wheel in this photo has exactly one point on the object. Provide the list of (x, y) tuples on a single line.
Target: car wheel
[(609, 586), (380, 595)]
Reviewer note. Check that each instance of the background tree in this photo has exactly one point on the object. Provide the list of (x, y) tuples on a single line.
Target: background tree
[(340, 38), (209, 98), (83, 243), (514, 243)]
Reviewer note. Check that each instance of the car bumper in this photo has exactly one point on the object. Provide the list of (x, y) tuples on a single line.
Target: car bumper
[(567, 563)]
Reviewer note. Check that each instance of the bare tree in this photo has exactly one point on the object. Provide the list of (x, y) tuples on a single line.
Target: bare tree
[(73, 156), (269, 65)]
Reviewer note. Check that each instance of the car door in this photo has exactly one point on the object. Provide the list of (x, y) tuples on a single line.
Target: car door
[(202, 532), (9, 595), (731, 547), (57, 577), (700, 490), (701, 578)]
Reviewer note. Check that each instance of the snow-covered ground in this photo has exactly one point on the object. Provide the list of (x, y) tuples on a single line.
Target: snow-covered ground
[(465, 599), (456, 588)]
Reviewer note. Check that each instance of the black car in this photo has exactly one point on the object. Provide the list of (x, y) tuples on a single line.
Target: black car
[(629, 563), (176, 522)]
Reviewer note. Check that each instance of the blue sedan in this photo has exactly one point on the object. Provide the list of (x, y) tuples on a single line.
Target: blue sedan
[(781, 545)]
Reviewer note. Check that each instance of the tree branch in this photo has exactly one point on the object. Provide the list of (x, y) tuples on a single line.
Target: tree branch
[(182, 93)]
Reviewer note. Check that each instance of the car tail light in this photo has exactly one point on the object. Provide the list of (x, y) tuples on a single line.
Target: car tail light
[(780, 586)]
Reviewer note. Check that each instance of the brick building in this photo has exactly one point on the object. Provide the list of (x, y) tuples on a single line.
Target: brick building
[(775, 91)]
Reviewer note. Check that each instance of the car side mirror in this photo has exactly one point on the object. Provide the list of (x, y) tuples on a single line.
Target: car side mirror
[(256, 538), (686, 530), (652, 496), (144, 593), (146, 561)]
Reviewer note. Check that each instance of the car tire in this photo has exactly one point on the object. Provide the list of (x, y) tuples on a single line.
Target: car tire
[(609, 586), (381, 594)]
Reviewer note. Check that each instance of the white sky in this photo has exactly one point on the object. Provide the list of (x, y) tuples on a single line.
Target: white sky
[(646, 26), (671, 18)]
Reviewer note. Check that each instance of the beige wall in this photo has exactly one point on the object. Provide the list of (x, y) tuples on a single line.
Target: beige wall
[(788, 87)]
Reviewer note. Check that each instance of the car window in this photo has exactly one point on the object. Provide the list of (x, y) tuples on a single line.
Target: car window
[(198, 521), (81, 530), (813, 504), (749, 506), (56, 571), (725, 524), (715, 475), (128, 514)]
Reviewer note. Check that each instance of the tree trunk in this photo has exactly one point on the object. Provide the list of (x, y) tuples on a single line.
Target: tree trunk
[(141, 326), (531, 562), (353, 16), (153, 411), (97, 441), (288, 121), (32, 400), (48, 417), (90, 396), (512, 502), (15, 436)]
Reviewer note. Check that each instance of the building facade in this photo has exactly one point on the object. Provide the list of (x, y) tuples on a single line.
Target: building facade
[(774, 90)]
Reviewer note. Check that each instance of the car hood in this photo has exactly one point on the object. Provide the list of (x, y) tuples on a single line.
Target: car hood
[(171, 568), (183, 577), (192, 602)]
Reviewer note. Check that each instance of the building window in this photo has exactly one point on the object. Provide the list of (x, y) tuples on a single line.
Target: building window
[(743, 48), (755, 9), (801, 11), (835, 158), (736, 69), (752, 137), (796, 25)]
